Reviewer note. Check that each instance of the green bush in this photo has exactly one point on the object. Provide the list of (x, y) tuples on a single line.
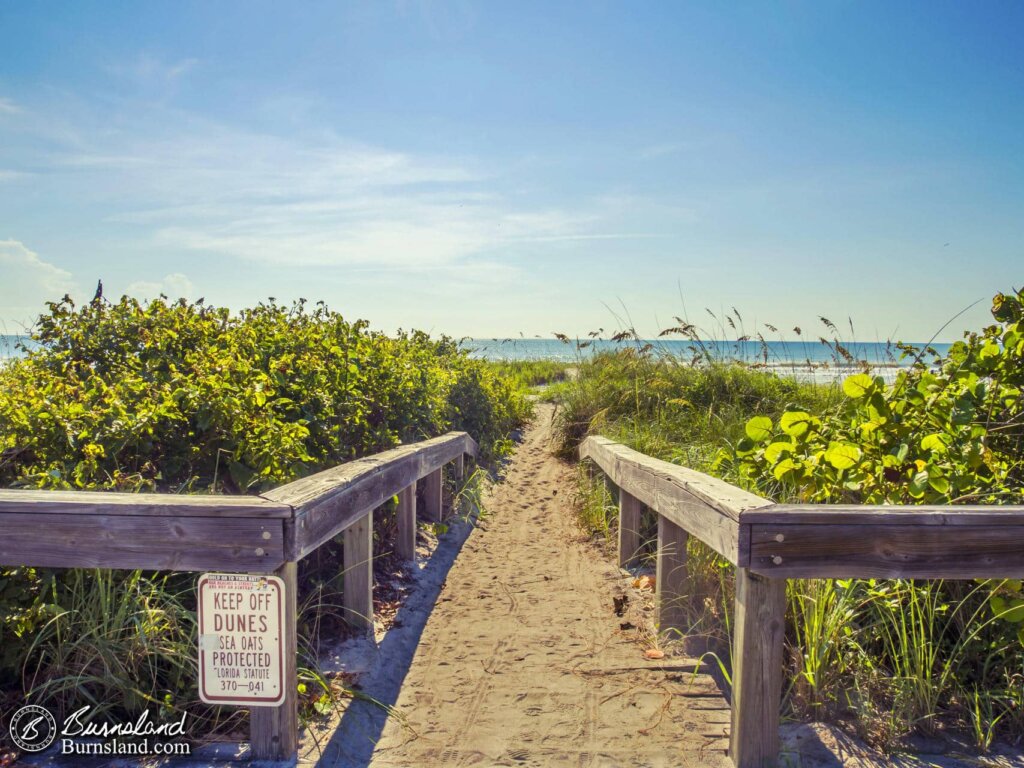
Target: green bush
[(946, 432), (184, 397)]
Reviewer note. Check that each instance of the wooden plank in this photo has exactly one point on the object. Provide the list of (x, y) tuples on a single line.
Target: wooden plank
[(704, 506), (432, 498), (321, 521), (716, 493), (884, 514), (148, 504), (140, 541), (358, 553), (405, 543), (426, 456), (670, 583), (887, 551), (757, 670), (630, 509), (460, 467), (328, 502), (274, 731)]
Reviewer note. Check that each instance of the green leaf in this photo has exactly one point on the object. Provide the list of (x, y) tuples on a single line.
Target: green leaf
[(858, 386), (842, 455), (783, 468), (775, 450), (745, 445), (938, 483), (795, 423), (935, 442), (759, 429), (919, 484), (1011, 610)]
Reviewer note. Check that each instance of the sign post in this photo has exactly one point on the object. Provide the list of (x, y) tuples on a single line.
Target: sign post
[(241, 648)]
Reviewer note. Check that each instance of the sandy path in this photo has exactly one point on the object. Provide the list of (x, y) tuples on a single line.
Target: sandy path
[(523, 661)]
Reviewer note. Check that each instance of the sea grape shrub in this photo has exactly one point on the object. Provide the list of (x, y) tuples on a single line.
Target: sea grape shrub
[(179, 396), (945, 432)]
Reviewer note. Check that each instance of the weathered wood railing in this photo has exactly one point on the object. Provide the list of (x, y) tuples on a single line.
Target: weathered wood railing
[(250, 534), (770, 543)]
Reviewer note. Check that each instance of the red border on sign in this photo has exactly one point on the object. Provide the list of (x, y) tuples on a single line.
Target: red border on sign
[(274, 581)]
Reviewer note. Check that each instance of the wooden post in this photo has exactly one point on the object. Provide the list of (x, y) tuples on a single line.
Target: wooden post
[(405, 544), (432, 485), (670, 582), (460, 467), (274, 731), (358, 595), (629, 528), (757, 670)]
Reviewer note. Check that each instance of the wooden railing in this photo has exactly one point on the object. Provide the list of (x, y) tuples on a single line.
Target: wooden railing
[(770, 543), (250, 534)]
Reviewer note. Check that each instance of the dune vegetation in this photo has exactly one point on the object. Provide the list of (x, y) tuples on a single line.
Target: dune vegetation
[(889, 659), (182, 397)]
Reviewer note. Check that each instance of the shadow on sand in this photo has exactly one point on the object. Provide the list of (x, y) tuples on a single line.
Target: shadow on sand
[(353, 742)]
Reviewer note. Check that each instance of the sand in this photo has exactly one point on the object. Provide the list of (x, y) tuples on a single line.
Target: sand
[(524, 662)]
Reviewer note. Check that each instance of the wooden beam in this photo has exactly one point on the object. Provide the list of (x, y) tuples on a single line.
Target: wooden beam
[(630, 509), (886, 514), (136, 504), (405, 543), (460, 467), (341, 480), (671, 581), (141, 541), (887, 551), (432, 498), (322, 521), (358, 554), (330, 501), (757, 670), (704, 506), (274, 731)]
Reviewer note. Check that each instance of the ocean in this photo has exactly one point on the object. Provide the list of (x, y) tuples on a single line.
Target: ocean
[(803, 359)]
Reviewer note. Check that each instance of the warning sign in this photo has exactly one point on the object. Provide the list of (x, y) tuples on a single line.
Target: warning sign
[(241, 656)]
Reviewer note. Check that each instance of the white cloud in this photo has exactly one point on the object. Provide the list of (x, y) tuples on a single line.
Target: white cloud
[(316, 200), (307, 197), (8, 107), (173, 286), (27, 282)]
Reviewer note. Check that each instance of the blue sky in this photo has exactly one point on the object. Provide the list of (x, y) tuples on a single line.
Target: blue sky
[(492, 169)]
